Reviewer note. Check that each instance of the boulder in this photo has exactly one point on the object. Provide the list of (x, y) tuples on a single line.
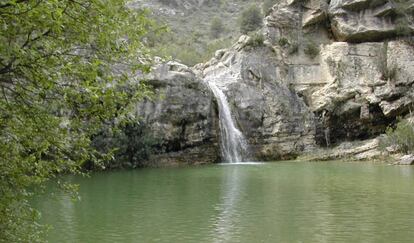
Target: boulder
[(405, 160)]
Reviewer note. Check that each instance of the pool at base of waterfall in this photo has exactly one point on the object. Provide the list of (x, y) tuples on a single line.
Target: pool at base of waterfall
[(245, 202)]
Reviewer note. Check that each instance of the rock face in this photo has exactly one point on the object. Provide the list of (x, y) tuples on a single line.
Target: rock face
[(355, 90), (182, 117), (301, 89), (274, 118), (363, 20)]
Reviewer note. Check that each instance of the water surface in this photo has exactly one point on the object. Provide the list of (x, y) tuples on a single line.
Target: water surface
[(276, 202)]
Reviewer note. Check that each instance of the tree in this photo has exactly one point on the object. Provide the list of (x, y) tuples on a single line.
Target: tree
[(250, 19), (216, 28), (62, 76)]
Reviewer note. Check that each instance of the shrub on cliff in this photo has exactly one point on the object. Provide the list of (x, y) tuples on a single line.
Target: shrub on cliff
[(311, 50), (401, 137), (250, 19), (256, 40), (216, 28)]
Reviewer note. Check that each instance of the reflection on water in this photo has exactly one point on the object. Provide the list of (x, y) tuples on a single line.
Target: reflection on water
[(228, 217), (281, 202)]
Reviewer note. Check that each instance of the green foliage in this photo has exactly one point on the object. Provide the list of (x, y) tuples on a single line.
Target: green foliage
[(401, 27), (282, 42), (291, 47), (133, 143), (311, 50), (250, 19), (187, 52), (62, 74), (401, 137), (403, 12), (256, 40), (216, 28)]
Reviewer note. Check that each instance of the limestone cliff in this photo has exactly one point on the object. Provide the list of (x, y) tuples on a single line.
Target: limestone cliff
[(181, 116), (327, 72)]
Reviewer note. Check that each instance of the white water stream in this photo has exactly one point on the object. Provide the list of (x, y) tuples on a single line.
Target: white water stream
[(233, 144)]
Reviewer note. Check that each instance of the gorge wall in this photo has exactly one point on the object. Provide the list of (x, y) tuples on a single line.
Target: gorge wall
[(324, 72)]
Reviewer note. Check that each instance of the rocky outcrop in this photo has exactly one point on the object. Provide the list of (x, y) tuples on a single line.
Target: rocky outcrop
[(325, 75), (181, 116), (355, 90), (405, 160), (275, 120), (354, 150)]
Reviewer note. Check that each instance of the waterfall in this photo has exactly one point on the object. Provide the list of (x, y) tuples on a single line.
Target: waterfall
[(233, 144)]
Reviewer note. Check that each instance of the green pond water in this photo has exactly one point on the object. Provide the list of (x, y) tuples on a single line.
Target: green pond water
[(273, 202)]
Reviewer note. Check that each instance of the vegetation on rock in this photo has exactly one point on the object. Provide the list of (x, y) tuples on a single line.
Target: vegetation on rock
[(131, 145), (216, 28), (256, 40), (311, 50), (401, 137), (250, 19)]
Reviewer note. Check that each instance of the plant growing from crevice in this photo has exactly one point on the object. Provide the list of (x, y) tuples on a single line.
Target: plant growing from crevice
[(311, 50), (283, 42), (256, 40), (402, 27)]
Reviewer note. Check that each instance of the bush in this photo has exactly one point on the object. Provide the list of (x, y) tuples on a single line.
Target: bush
[(216, 28), (256, 40), (250, 20), (282, 42), (402, 137), (312, 50), (134, 143)]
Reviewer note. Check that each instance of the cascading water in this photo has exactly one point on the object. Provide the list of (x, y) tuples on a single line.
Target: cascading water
[(233, 144)]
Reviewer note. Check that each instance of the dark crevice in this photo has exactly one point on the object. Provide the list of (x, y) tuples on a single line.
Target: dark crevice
[(334, 129)]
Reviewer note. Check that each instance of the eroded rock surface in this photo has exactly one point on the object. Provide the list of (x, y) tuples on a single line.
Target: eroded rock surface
[(181, 116), (275, 120), (326, 75)]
